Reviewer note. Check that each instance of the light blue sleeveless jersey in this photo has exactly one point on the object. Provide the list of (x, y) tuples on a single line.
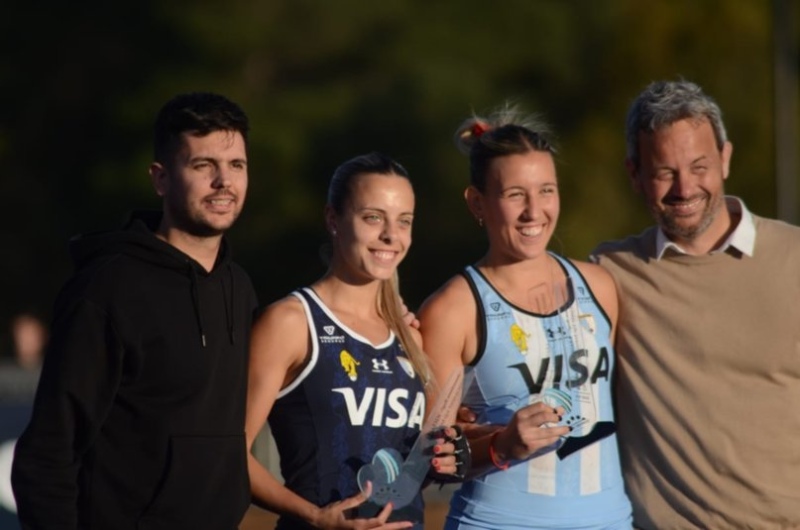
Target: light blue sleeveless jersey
[(565, 358)]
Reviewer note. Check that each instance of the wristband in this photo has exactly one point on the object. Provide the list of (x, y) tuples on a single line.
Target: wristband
[(499, 464)]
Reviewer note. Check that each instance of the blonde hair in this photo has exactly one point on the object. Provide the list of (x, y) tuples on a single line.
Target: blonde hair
[(389, 308)]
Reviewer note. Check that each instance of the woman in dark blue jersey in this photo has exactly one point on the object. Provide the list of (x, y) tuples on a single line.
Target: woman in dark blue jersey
[(336, 369)]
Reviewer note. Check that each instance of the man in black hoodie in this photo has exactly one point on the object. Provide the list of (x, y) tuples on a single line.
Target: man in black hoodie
[(138, 421)]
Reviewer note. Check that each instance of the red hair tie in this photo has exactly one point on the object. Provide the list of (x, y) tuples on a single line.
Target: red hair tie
[(478, 128)]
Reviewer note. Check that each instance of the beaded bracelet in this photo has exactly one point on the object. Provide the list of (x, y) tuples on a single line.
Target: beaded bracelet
[(499, 464)]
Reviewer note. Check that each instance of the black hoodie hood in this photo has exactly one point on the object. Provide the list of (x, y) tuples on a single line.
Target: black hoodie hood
[(138, 240), (139, 415)]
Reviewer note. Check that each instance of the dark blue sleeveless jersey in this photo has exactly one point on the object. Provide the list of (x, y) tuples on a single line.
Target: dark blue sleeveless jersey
[(351, 399)]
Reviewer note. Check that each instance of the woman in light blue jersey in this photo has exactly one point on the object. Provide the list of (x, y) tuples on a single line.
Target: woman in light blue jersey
[(340, 375), (533, 332)]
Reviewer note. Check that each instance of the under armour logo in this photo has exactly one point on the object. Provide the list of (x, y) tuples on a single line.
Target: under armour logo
[(380, 365), (552, 332), (329, 329)]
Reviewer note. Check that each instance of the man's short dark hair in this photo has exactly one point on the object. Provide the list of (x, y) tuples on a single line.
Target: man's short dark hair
[(196, 113)]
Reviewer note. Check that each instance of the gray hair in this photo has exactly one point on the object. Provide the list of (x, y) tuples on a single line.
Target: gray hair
[(663, 103)]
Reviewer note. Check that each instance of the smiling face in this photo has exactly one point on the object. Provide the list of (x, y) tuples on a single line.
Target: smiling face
[(681, 175), (519, 207), (205, 184), (373, 233)]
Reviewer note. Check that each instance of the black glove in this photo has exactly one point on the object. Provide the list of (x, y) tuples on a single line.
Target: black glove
[(461, 452)]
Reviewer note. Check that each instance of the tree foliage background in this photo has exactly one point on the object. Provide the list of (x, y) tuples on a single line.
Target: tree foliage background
[(325, 80)]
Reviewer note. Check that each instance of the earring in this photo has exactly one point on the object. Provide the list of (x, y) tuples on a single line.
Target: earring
[(480, 222), (333, 232)]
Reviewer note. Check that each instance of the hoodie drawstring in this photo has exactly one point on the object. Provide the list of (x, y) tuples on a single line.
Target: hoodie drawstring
[(196, 303), (229, 312), (227, 303)]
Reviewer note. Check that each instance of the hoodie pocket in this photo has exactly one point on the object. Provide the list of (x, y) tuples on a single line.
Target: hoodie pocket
[(205, 485)]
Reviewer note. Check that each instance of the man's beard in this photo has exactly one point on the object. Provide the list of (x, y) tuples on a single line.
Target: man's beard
[(195, 225), (670, 222)]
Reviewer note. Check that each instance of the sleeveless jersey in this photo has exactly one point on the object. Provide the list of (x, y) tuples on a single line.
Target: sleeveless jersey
[(351, 399), (565, 359)]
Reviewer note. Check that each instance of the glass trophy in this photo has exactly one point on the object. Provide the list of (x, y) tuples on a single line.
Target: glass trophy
[(398, 480)]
